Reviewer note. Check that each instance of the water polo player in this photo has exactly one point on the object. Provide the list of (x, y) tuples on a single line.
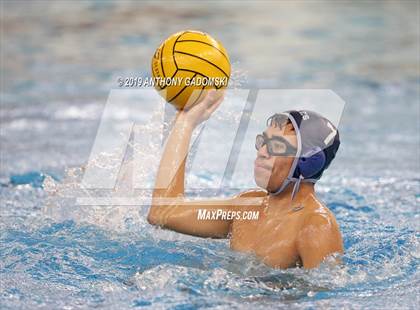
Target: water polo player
[(292, 227)]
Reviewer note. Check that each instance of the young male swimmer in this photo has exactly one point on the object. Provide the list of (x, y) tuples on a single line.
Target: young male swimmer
[(293, 227)]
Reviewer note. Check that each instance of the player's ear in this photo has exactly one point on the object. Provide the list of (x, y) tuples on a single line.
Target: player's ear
[(289, 127)]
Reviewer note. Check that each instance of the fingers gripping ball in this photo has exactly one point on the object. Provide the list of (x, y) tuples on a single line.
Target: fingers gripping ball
[(188, 63)]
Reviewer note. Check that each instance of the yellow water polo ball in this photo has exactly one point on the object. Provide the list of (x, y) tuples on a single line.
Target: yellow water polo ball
[(188, 63)]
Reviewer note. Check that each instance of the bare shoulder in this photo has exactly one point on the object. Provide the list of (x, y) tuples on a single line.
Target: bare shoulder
[(252, 193), (317, 213), (319, 235), (249, 200)]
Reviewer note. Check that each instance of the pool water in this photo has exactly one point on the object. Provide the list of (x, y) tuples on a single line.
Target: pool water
[(61, 62)]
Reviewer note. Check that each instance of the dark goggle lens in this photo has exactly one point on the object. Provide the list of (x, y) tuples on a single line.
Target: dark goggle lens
[(277, 147), (259, 141)]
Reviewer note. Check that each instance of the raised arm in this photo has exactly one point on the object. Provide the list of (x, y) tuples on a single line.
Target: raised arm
[(169, 207)]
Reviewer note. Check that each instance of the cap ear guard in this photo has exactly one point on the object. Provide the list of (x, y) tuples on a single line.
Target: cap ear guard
[(312, 162)]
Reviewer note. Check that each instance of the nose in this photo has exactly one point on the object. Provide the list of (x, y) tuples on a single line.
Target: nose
[(263, 152)]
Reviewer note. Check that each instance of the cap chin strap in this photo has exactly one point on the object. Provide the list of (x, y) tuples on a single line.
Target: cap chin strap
[(290, 178)]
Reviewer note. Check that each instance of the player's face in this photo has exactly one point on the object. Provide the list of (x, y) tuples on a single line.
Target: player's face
[(270, 171)]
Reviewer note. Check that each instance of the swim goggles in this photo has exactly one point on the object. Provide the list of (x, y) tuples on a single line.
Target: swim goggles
[(276, 145)]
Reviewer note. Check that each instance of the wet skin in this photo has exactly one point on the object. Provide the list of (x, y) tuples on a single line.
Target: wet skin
[(302, 232)]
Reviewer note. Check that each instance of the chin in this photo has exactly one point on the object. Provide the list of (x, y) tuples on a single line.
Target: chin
[(261, 179)]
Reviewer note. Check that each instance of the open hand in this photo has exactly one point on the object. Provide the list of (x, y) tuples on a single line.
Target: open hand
[(202, 110)]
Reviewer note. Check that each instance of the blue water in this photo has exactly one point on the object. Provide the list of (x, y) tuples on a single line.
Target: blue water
[(66, 57)]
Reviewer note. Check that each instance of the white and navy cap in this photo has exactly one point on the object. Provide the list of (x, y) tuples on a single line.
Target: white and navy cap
[(317, 143)]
